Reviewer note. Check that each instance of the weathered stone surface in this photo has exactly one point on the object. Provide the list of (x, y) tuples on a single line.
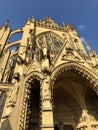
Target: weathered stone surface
[(49, 81)]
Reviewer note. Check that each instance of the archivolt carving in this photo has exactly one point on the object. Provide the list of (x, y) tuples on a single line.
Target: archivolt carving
[(33, 74), (85, 73), (69, 55), (25, 110)]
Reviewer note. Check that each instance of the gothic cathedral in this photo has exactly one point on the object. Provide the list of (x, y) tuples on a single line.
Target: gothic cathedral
[(48, 78)]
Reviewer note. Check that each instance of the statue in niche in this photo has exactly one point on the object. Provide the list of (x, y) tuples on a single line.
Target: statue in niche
[(46, 85), (45, 59), (13, 93), (12, 96), (44, 47)]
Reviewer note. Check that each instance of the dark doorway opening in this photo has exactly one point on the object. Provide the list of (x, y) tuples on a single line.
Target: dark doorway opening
[(67, 127), (34, 123)]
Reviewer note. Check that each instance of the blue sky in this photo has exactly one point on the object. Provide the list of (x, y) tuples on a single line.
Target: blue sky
[(83, 14)]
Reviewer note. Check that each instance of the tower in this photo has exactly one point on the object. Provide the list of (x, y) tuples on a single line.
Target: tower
[(48, 79)]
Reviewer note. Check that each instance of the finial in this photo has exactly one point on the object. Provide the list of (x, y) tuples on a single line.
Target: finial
[(33, 19), (48, 17), (28, 21), (63, 24), (6, 23), (88, 47), (90, 51)]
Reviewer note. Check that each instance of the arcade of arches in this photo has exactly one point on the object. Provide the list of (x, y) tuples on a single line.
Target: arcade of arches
[(72, 107), (72, 103)]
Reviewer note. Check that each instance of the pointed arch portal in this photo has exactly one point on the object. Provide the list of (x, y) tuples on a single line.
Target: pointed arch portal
[(72, 97), (33, 102)]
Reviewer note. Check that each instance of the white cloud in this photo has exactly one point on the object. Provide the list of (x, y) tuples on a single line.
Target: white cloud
[(12, 50), (81, 27), (82, 39)]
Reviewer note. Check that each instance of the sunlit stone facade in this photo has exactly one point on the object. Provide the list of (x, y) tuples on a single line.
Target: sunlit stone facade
[(48, 79)]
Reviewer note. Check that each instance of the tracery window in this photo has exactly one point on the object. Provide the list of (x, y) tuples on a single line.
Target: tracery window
[(53, 43)]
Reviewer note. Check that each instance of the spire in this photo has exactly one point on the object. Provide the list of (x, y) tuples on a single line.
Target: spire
[(91, 52), (28, 21), (33, 19), (6, 23), (5, 26), (87, 46)]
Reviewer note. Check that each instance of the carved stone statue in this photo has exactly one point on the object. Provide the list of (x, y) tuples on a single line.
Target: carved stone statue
[(44, 47), (45, 85), (12, 96), (45, 59)]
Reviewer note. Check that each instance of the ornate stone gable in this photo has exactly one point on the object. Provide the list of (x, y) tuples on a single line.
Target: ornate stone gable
[(68, 54), (49, 23), (33, 66)]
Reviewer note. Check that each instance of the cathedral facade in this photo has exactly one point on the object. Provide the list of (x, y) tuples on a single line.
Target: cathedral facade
[(48, 78)]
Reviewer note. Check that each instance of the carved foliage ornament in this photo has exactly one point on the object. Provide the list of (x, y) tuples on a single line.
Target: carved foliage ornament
[(69, 55)]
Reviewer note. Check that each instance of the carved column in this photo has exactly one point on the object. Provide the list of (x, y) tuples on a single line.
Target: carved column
[(47, 110)]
